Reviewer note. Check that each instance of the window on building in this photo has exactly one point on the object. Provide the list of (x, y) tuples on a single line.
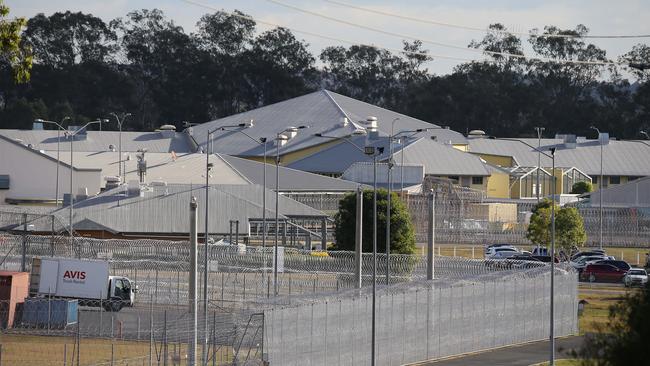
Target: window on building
[(615, 179), (4, 182), (477, 180)]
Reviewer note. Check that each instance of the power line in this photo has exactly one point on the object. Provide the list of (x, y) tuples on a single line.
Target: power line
[(436, 43), (483, 30), (335, 39)]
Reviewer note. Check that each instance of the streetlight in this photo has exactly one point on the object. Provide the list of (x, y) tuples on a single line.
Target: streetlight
[(58, 160), (120, 121), (539, 130), (279, 137), (374, 152), (412, 133), (552, 300), (261, 141), (71, 135), (390, 189), (600, 186)]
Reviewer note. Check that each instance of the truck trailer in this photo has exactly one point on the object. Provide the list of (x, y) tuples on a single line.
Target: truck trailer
[(85, 280)]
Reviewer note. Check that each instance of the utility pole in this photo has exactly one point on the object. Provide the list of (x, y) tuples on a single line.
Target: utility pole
[(193, 288), (539, 130)]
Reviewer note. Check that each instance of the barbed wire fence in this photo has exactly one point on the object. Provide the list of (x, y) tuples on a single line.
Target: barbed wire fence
[(60, 332), (465, 216)]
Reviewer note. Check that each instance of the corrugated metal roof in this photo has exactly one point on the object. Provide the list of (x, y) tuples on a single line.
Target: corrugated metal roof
[(321, 110), (437, 159), (626, 158), (184, 169), (291, 180), (166, 209), (100, 141), (631, 194), (441, 160), (365, 173)]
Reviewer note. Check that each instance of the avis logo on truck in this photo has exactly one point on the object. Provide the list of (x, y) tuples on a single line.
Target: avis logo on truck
[(74, 276)]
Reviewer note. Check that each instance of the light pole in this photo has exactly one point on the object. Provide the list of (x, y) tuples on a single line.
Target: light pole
[(374, 152), (279, 137), (600, 186), (388, 198), (262, 141), (120, 121), (71, 135), (552, 305), (58, 150), (539, 130)]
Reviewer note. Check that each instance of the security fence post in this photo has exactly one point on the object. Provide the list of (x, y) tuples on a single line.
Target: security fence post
[(358, 239), (431, 237), (23, 258)]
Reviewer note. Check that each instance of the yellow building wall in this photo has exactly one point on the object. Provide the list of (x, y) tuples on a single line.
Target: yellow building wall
[(461, 147), (292, 156), (500, 160), (514, 190), (498, 185)]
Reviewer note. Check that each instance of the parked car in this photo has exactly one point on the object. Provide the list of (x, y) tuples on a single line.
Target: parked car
[(582, 262), (540, 251), (635, 277), (602, 273), (616, 263), (587, 253), (502, 253), (545, 258), (489, 250)]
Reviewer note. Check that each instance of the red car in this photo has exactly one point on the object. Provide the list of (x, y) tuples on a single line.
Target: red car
[(602, 273)]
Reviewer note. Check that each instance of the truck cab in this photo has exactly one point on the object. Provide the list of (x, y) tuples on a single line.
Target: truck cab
[(121, 292)]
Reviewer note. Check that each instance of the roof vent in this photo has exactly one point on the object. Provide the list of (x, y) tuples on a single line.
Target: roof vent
[(569, 141), (371, 127), (133, 188), (282, 140), (291, 132), (167, 131), (476, 134), (111, 147), (112, 182), (344, 122), (249, 124)]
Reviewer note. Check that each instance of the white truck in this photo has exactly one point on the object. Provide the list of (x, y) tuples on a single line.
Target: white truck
[(85, 280)]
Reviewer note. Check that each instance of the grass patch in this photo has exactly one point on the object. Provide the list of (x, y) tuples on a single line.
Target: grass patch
[(600, 299), (561, 362), (32, 350)]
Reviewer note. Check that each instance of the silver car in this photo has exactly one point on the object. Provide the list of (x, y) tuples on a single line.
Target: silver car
[(635, 277)]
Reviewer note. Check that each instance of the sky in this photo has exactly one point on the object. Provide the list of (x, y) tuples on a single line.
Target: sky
[(602, 17)]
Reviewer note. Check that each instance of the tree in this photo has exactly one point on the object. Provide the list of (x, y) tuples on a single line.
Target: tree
[(402, 232), (13, 52), (581, 187), (569, 226), (624, 341), (65, 39), (569, 229)]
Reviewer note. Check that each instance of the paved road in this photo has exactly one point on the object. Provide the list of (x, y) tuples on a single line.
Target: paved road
[(522, 355)]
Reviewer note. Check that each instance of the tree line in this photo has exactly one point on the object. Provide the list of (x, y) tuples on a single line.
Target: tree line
[(143, 63)]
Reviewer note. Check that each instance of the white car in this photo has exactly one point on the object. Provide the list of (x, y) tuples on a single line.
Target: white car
[(635, 277), (503, 253), (582, 262), (490, 249)]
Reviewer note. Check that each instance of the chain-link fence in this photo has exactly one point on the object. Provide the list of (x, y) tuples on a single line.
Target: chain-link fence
[(85, 333), (420, 320), (464, 216), (235, 274), (316, 293)]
